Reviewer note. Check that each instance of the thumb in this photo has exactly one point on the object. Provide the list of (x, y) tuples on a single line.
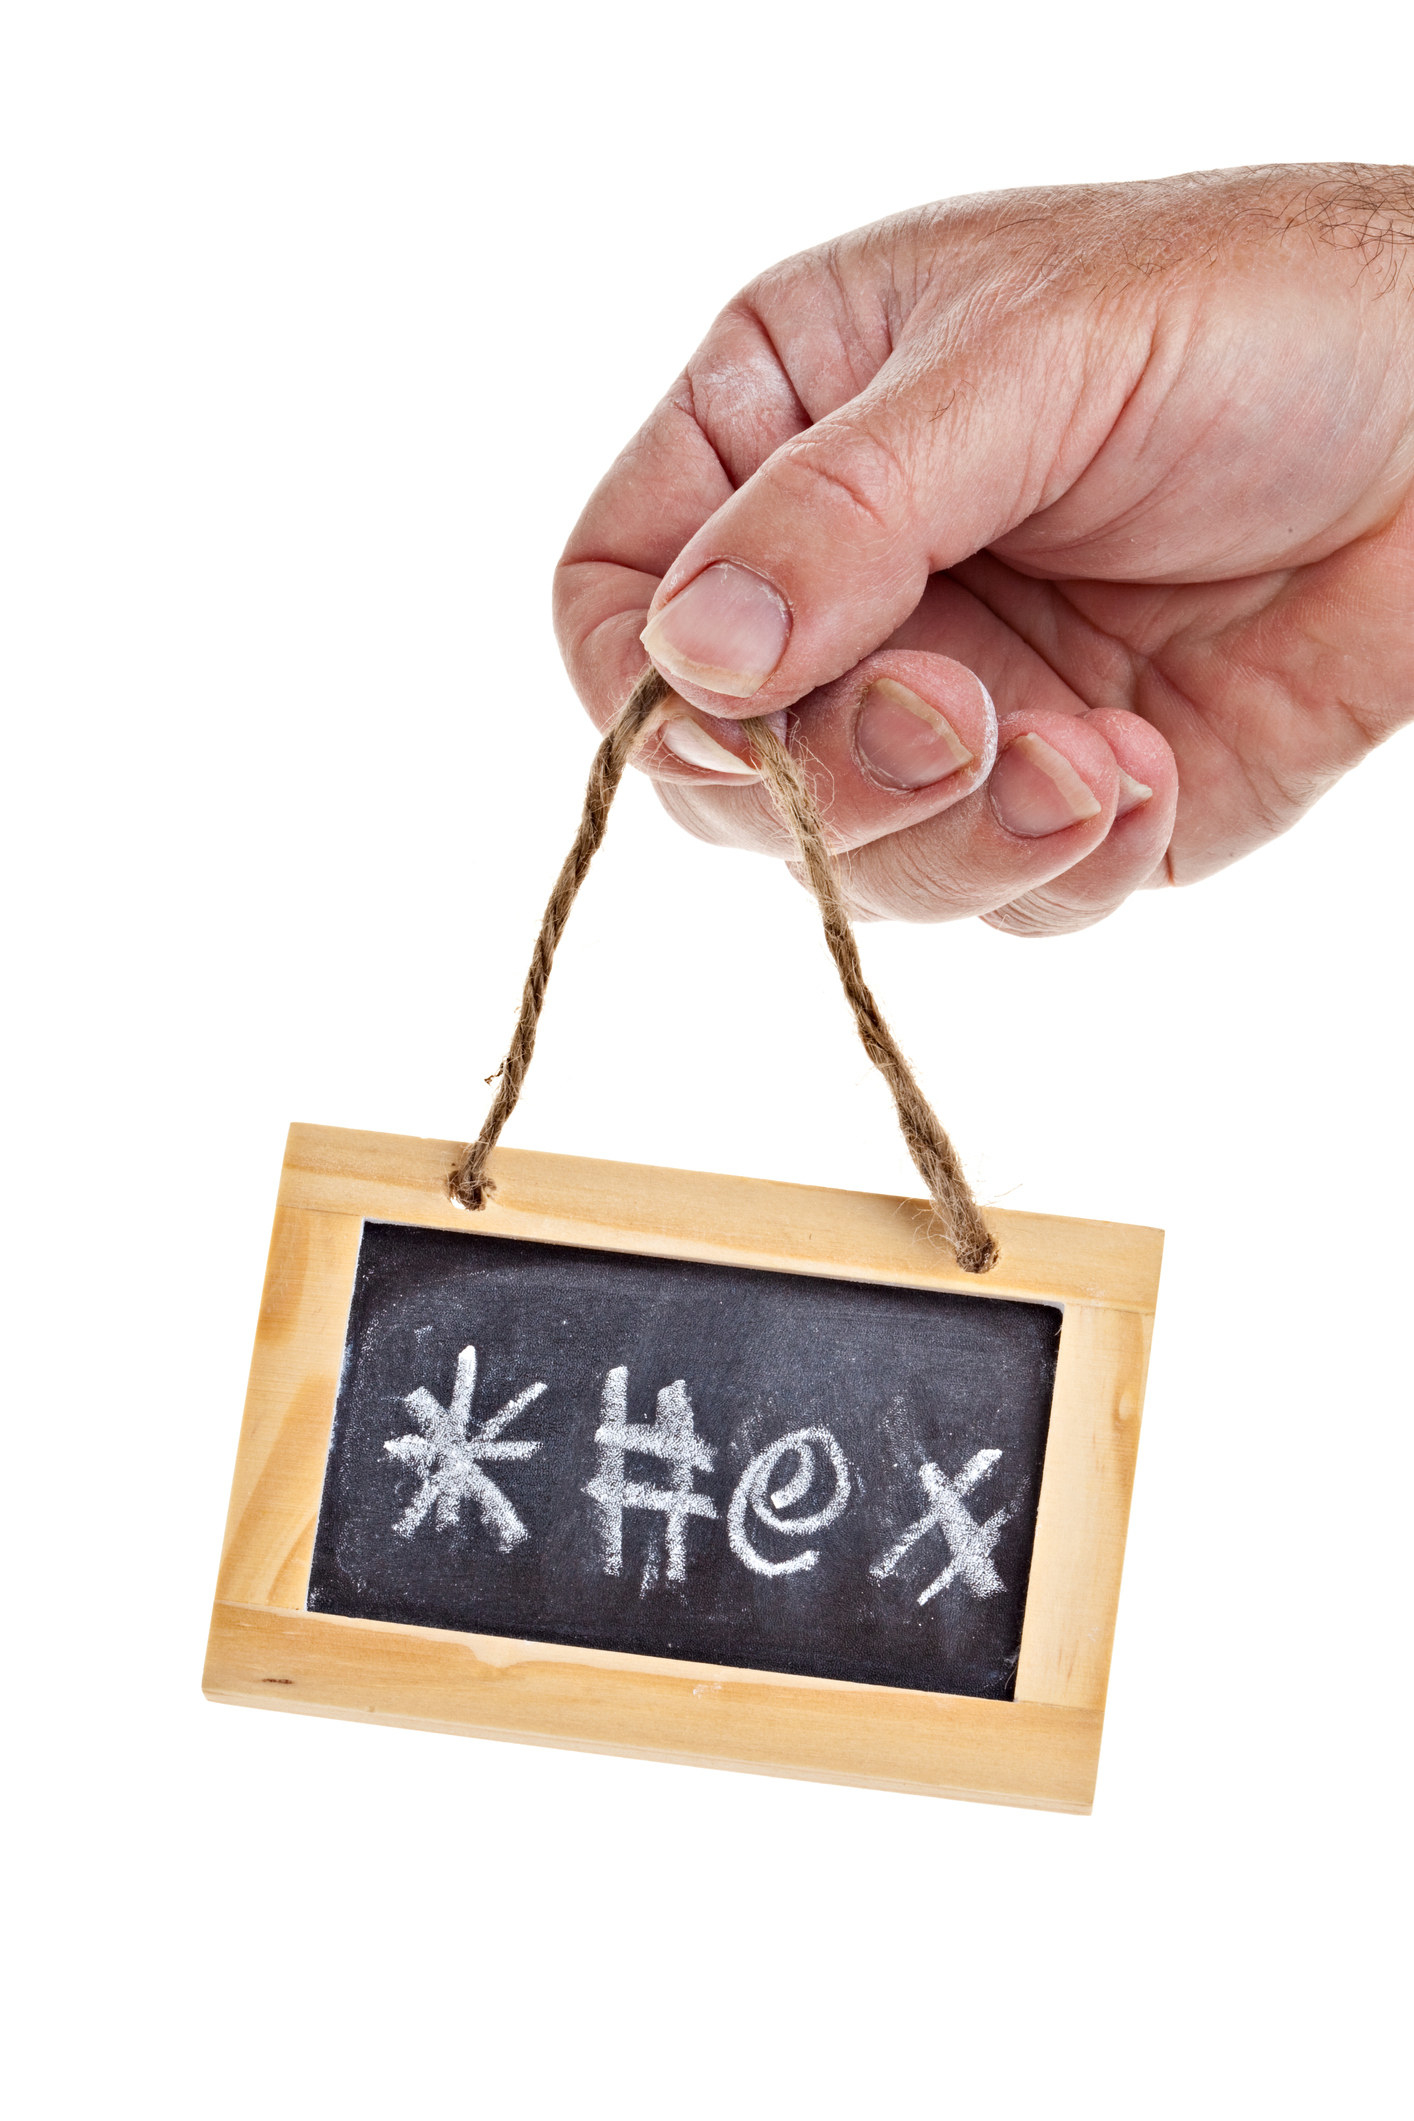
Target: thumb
[(817, 559)]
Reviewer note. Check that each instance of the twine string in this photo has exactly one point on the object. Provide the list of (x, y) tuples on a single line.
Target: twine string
[(959, 1218), (469, 1182), (928, 1144)]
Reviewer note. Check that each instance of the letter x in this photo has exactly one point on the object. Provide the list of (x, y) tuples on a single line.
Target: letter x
[(971, 1543)]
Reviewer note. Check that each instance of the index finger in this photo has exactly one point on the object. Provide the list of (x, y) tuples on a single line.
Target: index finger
[(731, 408)]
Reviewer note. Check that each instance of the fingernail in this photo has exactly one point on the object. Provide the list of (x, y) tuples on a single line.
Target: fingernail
[(726, 632), (689, 741), (1131, 794), (1036, 791), (904, 742)]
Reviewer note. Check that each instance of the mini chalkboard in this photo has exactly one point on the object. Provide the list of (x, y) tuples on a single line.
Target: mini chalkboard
[(685, 1460), (695, 1467)]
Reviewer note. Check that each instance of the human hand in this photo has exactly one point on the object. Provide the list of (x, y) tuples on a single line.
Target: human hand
[(1137, 457)]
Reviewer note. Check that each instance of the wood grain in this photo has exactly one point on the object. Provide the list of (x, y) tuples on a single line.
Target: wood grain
[(826, 1730), (704, 1215), (289, 1410), (1073, 1594), (1040, 1749)]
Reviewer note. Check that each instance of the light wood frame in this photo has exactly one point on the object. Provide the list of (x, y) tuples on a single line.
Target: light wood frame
[(1040, 1749)]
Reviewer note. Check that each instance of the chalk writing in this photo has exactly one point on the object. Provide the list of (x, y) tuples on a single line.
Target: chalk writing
[(672, 1439), (449, 1459), (449, 1454), (971, 1543), (753, 1491), (721, 1463)]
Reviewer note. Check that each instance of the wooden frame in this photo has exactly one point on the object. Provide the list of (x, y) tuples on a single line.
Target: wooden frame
[(1040, 1749)]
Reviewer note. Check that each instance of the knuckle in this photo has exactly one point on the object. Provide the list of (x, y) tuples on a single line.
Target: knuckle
[(1042, 912), (849, 466), (894, 879), (723, 817)]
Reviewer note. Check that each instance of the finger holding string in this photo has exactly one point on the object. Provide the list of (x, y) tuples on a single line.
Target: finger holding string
[(898, 739)]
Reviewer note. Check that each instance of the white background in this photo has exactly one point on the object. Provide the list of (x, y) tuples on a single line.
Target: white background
[(322, 320)]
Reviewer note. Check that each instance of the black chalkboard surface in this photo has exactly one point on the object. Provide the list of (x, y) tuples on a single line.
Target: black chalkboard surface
[(719, 1463)]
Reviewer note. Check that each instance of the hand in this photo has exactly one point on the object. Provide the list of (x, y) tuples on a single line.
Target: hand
[(1138, 458)]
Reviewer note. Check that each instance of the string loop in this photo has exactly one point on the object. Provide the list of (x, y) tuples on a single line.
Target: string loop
[(959, 1218)]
